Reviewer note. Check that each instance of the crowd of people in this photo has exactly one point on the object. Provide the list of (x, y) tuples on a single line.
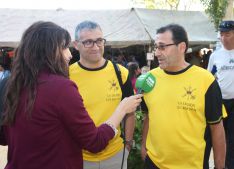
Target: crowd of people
[(56, 115)]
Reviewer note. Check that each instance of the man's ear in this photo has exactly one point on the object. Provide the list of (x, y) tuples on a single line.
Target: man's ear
[(182, 47), (75, 45)]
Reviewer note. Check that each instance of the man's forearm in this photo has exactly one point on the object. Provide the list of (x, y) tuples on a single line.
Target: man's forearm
[(219, 144), (145, 130), (144, 136), (129, 130), (129, 126)]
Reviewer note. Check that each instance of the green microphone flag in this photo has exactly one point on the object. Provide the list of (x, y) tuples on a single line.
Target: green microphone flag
[(145, 83)]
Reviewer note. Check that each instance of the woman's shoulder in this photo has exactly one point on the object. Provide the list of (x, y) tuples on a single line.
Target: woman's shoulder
[(56, 80)]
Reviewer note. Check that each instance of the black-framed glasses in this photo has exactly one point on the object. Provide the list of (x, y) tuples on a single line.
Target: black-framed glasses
[(163, 47), (89, 43)]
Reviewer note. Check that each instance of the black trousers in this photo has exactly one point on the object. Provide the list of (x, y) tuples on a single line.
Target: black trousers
[(149, 164), (229, 131)]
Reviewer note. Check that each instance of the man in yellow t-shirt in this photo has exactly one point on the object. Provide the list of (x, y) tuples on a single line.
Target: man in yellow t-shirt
[(184, 109), (100, 89)]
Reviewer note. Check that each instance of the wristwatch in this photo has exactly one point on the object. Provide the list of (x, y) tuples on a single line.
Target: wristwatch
[(130, 143), (112, 126)]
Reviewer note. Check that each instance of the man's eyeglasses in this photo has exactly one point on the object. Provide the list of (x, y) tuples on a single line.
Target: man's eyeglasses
[(163, 47), (90, 43)]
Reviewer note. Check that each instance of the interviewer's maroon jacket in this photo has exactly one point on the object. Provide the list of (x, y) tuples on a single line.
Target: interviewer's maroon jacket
[(52, 138)]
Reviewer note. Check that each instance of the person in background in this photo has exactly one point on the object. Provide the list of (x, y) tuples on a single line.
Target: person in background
[(221, 64), (184, 109), (121, 59), (5, 67), (145, 69), (3, 84), (2, 91), (45, 122), (134, 72), (1, 69), (101, 91), (205, 58)]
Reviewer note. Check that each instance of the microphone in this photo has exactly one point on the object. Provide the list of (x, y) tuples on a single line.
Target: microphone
[(145, 83)]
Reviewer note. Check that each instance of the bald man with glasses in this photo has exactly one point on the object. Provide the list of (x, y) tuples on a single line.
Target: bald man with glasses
[(99, 87)]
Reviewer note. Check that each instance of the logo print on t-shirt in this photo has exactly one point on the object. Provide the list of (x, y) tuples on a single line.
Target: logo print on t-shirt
[(114, 92), (189, 93), (113, 85), (231, 61)]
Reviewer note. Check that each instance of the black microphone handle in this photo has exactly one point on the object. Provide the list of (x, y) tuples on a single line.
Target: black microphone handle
[(139, 91)]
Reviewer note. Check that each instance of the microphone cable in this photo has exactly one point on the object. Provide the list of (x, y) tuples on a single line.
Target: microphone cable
[(124, 141)]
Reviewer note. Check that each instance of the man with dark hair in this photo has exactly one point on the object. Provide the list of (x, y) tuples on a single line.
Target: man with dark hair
[(221, 64), (184, 109), (100, 89)]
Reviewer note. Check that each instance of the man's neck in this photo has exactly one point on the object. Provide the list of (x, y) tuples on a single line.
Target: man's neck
[(230, 48), (92, 65), (178, 67)]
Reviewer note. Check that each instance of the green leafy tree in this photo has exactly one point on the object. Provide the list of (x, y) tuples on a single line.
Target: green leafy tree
[(150, 4), (174, 4), (165, 4), (216, 9), (190, 4)]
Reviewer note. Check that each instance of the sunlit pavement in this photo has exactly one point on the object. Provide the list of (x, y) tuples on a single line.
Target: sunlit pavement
[(3, 157), (211, 161)]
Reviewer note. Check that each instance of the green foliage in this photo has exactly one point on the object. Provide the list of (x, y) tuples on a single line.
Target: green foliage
[(150, 4), (173, 4), (134, 158), (216, 9), (165, 4)]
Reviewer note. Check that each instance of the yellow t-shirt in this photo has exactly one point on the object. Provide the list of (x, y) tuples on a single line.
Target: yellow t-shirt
[(101, 94), (179, 113)]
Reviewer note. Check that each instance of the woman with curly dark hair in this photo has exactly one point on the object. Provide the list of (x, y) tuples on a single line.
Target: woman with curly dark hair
[(45, 122)]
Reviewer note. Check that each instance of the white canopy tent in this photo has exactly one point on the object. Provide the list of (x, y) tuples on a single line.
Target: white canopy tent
[(199, 28), (121, 27)]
